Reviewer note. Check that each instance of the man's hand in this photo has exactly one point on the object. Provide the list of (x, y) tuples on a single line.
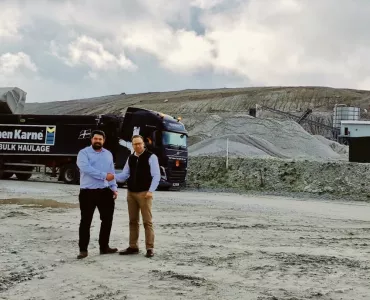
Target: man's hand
[(115, 195), (110, 176), (148, 195)]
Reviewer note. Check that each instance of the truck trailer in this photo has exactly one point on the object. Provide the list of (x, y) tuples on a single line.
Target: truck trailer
[(49, 144)]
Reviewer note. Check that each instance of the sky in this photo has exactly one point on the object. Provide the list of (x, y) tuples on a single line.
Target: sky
[(61, 50)]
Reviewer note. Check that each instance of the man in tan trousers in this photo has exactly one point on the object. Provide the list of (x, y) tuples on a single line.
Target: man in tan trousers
[(143, 174)]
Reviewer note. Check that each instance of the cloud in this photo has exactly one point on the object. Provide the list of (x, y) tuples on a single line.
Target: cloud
[(206, 4), (190, 52), (9, 22), (178, 51), (10, 63), (90, 52), (97, 47), (92, 75)]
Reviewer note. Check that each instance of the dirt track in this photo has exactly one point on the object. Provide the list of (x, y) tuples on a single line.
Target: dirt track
[(208, 246)]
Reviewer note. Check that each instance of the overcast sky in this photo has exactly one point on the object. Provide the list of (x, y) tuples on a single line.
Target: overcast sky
[(60, 50)]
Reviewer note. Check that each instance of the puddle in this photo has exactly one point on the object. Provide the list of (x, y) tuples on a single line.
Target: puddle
[(38, 203)]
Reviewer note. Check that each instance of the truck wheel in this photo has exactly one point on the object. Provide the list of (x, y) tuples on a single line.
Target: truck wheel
[(6, 175), (2, 169), (70, 174), (163, 188), (23, 176), (2, 174)]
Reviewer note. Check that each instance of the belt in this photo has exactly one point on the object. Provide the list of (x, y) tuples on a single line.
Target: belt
[(97, 189)]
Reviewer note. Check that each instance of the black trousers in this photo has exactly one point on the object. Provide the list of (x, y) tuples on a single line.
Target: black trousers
[(89, 200)]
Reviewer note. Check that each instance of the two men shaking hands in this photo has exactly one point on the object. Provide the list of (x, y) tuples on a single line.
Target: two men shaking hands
[(98, 188)]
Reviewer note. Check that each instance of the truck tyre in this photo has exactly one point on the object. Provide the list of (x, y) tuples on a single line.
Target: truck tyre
[(1, 168), (163, 188), (2, 174), (5, 175), (23, 176), (70, 174)]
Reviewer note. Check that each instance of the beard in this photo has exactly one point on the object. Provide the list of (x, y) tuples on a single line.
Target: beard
[(97, 146)]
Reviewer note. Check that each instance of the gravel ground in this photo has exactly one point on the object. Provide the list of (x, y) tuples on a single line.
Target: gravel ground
[(208, 246)]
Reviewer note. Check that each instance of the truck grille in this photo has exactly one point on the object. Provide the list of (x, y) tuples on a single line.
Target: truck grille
[(176, 175)]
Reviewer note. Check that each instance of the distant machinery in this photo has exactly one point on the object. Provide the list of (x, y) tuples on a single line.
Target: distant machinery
[(304, 115), (341, 112)]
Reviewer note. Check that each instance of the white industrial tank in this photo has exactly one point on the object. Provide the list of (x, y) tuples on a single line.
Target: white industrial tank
[(345, 113)]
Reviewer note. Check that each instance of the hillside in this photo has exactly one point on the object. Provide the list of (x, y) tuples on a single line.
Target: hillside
[(211, 116), (322, 99)]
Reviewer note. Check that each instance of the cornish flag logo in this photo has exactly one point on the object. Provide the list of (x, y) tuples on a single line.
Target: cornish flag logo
[(50, 135)]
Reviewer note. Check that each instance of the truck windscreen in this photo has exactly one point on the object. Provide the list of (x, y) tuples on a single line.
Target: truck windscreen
[(174, 139)]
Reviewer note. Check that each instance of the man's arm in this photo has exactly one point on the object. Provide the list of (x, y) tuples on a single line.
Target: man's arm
[(125, 174), (155, 172), (112, 183), (84, 165)]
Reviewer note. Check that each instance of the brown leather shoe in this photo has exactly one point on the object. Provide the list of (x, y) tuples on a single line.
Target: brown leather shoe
[(108, 250), (129, 251), (149, 253), (82, 254)]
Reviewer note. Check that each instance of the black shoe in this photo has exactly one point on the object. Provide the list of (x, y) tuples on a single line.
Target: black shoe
[(82, 254), (128, 251), (108, 250), (149, 253)]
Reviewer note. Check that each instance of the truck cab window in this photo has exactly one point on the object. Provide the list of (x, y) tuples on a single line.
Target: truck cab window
[(174, 139)]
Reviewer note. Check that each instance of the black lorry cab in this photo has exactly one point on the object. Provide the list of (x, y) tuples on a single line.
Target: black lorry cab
[(50, 143)]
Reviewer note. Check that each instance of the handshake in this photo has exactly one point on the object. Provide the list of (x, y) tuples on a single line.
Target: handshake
[(109, 177)]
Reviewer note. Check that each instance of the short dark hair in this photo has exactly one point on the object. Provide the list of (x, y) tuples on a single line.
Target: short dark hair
[(99, 132), (137, 136)]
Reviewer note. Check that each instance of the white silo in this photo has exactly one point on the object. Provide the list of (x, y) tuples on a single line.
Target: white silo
[(342, 112)]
